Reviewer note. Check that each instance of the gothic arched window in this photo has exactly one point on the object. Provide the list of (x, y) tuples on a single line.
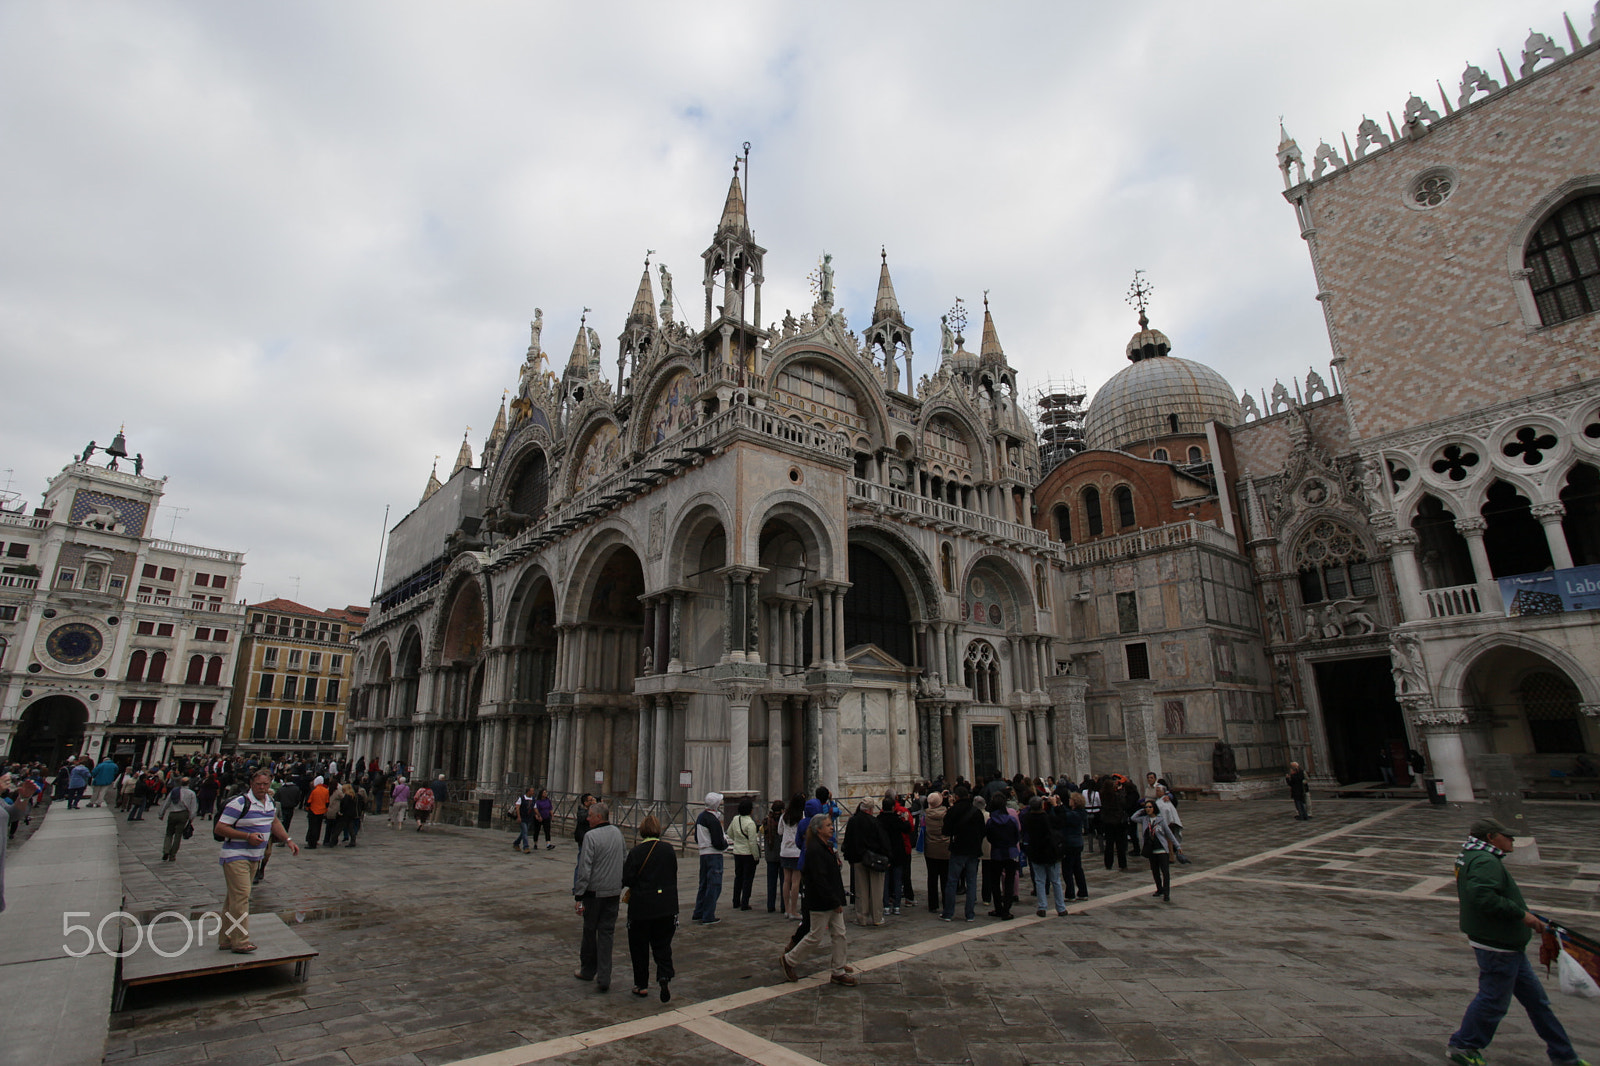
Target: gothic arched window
[(1091, 510), (1332, 564), (531, 490), (1564, 260), (1063, 523), (981, 672)]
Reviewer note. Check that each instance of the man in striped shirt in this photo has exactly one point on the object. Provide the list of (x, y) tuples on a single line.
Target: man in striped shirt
[(246, 824)]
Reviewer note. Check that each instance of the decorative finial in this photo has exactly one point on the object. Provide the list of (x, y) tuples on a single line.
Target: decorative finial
[(736, 166), (1139, 296), (958, 320), (883, 252), (648, 252)]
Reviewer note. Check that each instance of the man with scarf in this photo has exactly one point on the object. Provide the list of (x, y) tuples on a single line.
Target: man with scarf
[(712, 842), (1498, 925)]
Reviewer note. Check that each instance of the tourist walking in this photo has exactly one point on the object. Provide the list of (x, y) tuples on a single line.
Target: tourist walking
[(824, 903), (351, 808), (650, 878), (1498, 925), (1158, 845), (125, 786), (246, 825), (527, 811), (78, 779), (288, 797), (744, 840), (1071, 821), (895, 821), (596, 891), (422, 806), (104, 777), (711, 843), (316, 812), (546, 814), (1296, 780), (180, 807), (399, 802)]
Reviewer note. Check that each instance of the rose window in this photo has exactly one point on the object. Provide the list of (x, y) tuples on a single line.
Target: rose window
[(1432, 190)]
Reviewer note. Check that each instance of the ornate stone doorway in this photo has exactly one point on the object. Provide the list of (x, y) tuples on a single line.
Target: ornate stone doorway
[(1361, 715)]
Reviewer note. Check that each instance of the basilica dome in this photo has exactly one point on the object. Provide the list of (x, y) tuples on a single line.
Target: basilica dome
[(1140, 401)]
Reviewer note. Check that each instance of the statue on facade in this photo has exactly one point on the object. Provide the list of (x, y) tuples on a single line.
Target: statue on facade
[(1405, 658), (1224, 768), (84, 458), (648, 660), (666, 292), (947, 340), (827, 279), (138, 464)]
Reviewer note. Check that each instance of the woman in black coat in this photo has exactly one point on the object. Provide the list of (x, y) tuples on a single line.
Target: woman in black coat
[(863, 834), (650, 876)]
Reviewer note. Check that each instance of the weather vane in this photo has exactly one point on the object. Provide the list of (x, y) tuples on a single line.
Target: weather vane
[(958, 319), (1139, 296)]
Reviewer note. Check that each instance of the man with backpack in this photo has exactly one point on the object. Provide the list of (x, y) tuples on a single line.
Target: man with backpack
[(527, 811)]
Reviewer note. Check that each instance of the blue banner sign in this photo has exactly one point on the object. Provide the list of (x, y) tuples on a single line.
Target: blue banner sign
[(1552, 592)]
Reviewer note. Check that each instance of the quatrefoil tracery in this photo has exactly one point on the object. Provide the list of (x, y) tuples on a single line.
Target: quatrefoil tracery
[(1455, 462), (1529, 443)]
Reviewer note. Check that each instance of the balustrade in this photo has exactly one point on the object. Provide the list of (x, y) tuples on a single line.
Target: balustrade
[(1453, 602)]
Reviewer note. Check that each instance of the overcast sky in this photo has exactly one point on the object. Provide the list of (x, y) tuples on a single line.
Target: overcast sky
[(295, 246)]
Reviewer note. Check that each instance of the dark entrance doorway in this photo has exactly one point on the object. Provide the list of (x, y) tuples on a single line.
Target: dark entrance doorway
[(1361, 715), (51, 730), (985, 751)]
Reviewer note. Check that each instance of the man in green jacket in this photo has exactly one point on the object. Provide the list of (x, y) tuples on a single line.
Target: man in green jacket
[(1498, 925)]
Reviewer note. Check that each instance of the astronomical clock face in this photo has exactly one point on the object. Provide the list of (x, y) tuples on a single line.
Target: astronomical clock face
[(73, 646)]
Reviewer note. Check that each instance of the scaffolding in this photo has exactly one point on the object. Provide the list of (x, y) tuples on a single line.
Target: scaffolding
[(1058, 417)]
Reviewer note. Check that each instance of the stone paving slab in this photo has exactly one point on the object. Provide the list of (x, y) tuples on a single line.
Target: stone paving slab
[(446, 945)]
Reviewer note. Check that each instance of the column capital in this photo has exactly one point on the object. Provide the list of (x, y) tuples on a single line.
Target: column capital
[(1398, 540), (1472, 525), (827, 585), (1549, 513), (738, 571), (1066, 688), (1590, 710)]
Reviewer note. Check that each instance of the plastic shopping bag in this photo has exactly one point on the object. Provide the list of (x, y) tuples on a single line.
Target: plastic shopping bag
[(1575, 980)]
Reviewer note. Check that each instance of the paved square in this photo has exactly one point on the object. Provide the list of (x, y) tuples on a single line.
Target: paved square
[(1330, 941)]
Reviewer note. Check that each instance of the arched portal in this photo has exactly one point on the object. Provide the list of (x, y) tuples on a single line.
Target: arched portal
[(1533, 707), (459, 682), (51, 730), (876, 610)]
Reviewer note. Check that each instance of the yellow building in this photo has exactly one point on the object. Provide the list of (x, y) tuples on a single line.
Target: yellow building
[(293, 680)]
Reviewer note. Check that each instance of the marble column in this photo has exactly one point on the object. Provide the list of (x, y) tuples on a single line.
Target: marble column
[(829, 726), (1442, 726), (1069, 693), (1550, 516), (948, 759), (813, 745), (1043, 766), (1139, 734), (675, 635), (838, 627), (775, 779), (576, 758), (1019, 731), (660, 733), (1472, 528), (963, 743), (1402, 547)]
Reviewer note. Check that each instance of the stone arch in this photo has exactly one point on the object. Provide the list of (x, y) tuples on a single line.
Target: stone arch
[(1013, 610), (49, 730), (867, 390), (914, 569), (705, 514), (1517, 243), (1579, 493), (463, 628), (982, 454), (590, 560), (521, 448), (640, 435), (584, 469), (810, 524), (1450, 691), (1513, 538), (531, 584)]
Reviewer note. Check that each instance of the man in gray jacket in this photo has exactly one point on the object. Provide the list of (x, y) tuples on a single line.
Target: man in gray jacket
[(597, 889), (179, 809)]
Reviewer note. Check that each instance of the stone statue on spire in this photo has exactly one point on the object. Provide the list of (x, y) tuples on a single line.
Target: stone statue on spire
[(666, 293)]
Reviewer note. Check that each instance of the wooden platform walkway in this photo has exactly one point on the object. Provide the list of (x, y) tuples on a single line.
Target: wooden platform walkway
[(174, 949)]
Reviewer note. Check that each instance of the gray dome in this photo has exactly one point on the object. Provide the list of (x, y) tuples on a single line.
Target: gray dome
[(1136, 403)]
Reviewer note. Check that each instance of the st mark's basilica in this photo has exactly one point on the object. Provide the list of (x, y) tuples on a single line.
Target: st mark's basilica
[(757, 559)]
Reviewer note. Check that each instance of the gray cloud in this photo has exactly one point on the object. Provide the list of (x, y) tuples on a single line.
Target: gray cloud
[(295, 247)]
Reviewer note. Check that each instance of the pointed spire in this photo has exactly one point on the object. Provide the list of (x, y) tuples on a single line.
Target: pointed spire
[(578, 361), (733, 215), (433, 485), (644, 302), (888, 306), (463, 457), (990, 350), (497, 434)]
